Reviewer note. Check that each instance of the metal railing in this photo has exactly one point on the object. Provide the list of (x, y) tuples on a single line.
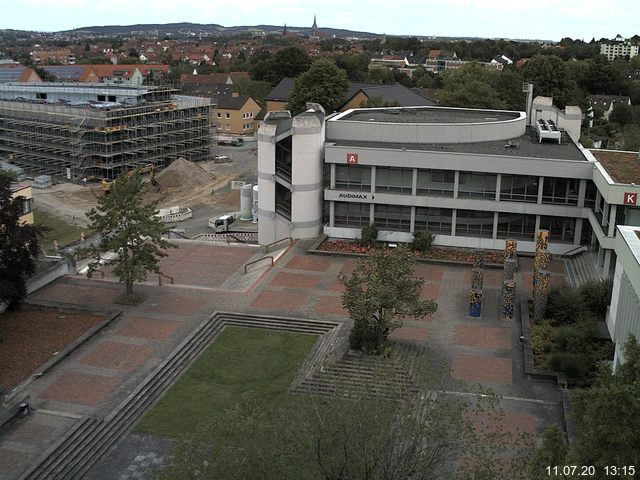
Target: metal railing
[(266, 247), (160, 275), (259, 260)]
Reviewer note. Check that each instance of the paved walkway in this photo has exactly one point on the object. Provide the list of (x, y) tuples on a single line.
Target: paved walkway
[(99, 375)]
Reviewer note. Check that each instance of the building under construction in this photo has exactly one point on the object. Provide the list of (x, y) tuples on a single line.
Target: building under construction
[(75, 131)]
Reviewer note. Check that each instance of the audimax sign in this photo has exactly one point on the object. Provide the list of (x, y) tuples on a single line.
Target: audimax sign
[(356, 196)]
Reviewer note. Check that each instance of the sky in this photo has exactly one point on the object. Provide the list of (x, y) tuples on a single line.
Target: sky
[(518, 19)]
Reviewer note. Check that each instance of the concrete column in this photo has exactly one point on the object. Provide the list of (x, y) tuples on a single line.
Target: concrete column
[(540, 187), (600, 255), (371, 213), (414, 183), (454, 214), (412, 225), (494, 234), (332, 179), (578, 232), (373, 179), (456, 183), (613, 209), (582, 193), (537, 223), (332, 213), (605, 214), (607, 262), (498, 185)]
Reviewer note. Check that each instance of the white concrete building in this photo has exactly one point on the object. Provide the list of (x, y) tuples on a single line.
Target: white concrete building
[(472, 177), (623, 316), (618, 48)]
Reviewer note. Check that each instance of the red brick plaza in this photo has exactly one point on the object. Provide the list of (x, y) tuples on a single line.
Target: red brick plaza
[(208, 278)]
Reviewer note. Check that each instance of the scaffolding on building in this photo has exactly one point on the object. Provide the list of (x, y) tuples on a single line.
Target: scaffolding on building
[(105, 140)]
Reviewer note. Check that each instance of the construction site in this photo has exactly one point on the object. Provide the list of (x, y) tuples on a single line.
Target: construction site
[(100, 131)]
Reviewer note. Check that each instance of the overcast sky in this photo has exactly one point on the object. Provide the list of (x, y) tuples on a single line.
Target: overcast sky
[(549, 20)]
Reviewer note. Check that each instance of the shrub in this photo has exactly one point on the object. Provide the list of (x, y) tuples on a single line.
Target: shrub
[(568, 363), (542, 337), (422, 241), (369, 236), (597, 296), (565, 305), (570, 339)]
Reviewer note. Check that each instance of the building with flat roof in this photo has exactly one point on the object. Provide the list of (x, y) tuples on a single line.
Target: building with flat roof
[(25, 194), (73, 130), (623, 316), (473, 177)]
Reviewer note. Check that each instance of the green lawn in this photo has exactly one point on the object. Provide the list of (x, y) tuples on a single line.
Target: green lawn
[(241, 361), (60, 230)]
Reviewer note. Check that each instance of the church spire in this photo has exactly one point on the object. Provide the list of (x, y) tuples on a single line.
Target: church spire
[(315, 25)]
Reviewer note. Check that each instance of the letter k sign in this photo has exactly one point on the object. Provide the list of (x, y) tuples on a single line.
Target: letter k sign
[(630, 198)]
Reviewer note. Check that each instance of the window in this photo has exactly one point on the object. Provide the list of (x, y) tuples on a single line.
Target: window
[(590, 194), (474, 223), (102, 98), (561, 229), (435, 182), (283, 201), (563, 191), (227, 127), (394, 179), (27, 205), (392, 217), (476, 184), (517, 226), (219, 115), (353, 177), (111, 98), (41, 96), (250, 114), (433, 220), (519, 188), (227, 115), (348, 214)]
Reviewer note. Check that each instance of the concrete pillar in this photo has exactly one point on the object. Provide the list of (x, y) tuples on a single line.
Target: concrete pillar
[(577, 235), (373, 179), (582, 193), (508, 299), (494, 233), (607, 263), (414, 182), (540, 187), (477, 279), (332, 177), (332, 213), (498, 184), (412, 224), (540, 295), (453, 221), (371, 214), (456, 183), (537, 224), (612, 220)]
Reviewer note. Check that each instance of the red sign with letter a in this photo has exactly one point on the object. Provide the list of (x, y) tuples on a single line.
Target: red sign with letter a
[(630, 198), (352, 158)]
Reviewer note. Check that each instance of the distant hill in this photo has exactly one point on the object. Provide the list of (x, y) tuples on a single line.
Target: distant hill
[(195, 29)]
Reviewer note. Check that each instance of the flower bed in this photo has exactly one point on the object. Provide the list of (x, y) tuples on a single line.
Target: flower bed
[(435, 253)]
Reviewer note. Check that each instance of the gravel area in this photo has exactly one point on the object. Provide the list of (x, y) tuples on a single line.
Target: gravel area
[(28, 338)]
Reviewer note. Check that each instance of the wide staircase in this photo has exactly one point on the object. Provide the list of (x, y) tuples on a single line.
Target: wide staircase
[(358, 374), (90, 438), (580, 269)]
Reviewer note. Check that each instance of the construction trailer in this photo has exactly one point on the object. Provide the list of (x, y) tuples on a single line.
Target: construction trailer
[(94, 130)]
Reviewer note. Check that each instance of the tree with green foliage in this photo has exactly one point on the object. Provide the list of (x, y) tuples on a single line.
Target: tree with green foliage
[(381, 291), (355, 64), (323, 83), (551, 78), (551, 452), (256, 89), (470, 86), (287, 62), (607, 420), (621, 114), (379, 74), (128, 227), (18, 245), (422, 241)]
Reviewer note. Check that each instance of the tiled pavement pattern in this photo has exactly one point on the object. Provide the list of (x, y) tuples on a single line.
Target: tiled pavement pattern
[(100, 374)]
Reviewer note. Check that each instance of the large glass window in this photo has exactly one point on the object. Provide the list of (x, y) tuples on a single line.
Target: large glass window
[(474, 223), (433, 220), (476, 184), (561, 229), (517, 226), (563, 191), (283, 158), (435, 182), (283, 201), (394, 179), (353, 177), (392, 217), (347, 214), (590, 194), (519, 188)]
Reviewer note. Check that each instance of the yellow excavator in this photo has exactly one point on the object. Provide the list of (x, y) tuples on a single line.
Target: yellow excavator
[(107, 185)]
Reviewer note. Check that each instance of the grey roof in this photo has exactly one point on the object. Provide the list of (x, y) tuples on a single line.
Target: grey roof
[(10, 74), (232, 103), (280, 92), (64, 72), (430, 115), (526, 146), (389, 93)]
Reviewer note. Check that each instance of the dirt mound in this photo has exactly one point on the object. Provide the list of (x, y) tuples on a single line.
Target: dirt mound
[(184, 174)]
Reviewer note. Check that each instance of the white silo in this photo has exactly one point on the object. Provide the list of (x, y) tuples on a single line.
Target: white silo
[(245, 202)]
